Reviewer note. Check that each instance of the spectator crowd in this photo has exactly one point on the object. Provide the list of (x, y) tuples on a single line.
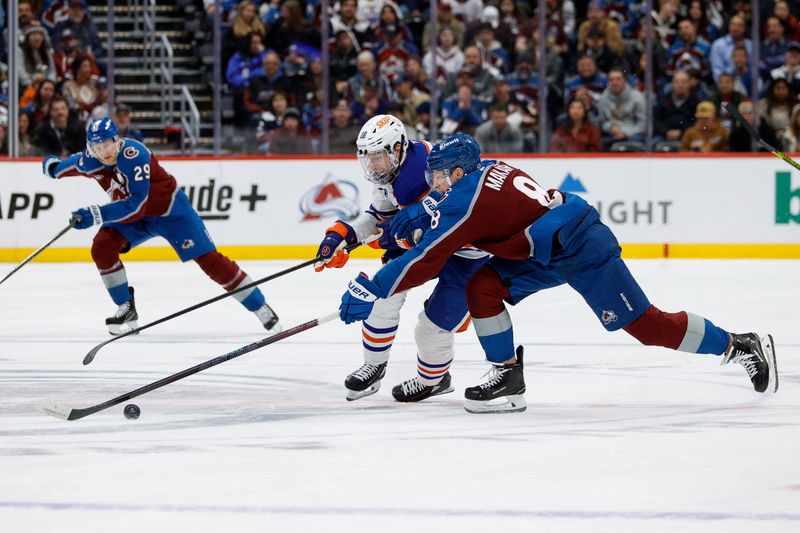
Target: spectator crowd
[(60, 61), (484, 72)]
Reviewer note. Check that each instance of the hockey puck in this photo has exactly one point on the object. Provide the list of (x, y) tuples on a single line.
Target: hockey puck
[(132, 411)]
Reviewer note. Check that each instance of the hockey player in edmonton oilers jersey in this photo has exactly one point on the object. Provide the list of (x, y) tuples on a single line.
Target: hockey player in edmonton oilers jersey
[(539, 239), (396, 167), (145, 203)]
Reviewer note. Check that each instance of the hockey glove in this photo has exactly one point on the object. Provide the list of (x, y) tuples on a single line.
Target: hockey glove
[(49, 164), (86, 217), (387, 241), (357, 302), (414, 217), (331, 252)]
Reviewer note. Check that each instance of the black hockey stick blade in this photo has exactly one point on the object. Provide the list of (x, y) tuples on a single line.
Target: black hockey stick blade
[(761, 142), (68, 413), (93, 352), (39, 250)]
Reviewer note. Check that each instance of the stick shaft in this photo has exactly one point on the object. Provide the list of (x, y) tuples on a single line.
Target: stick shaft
[(91, 354), (76, 414), (38, 251)]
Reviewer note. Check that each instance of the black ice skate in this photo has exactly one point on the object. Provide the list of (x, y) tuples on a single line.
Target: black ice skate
[(502, 392), (125, 318), (268, 319), (757, 356), (364, 381), (413, 390)]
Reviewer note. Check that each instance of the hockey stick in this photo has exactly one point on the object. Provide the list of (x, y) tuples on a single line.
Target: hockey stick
[(68, 413), (761, 142), (93, 352), (39, 250)]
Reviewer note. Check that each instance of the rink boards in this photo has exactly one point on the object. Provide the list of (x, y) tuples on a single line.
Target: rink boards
[(258, 208)]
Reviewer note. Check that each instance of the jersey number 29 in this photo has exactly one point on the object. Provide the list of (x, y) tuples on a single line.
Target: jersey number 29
[(141, 173)]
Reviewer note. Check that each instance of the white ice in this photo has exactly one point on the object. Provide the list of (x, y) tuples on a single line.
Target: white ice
[(617, 437)]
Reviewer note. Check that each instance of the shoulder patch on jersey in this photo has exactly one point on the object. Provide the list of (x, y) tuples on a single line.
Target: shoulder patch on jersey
[(130, 152)]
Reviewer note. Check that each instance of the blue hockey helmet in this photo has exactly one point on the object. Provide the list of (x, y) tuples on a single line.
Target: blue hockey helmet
[(100, 131), (459, 150)]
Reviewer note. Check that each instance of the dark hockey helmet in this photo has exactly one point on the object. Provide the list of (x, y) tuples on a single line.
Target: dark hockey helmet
[(459, 150), (98, 134)]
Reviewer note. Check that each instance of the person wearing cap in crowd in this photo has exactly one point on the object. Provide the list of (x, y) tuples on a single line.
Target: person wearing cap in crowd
[(102, 108), (740, 139), (707, 134), (523, 86), (444, 19), (290, 138), (597, 49), (343, 59), (34, 55), (408, 98), (449, 57), (393, 52), (423, 120), (67, 51), (83, 28), (790, 71), (492, 52), (597, 18), (122, 118), (343, 129)]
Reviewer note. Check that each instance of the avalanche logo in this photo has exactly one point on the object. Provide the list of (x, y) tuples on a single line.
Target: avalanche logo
[(332, 198), (608, 317), (188, 243), (571, 184), (130, 152)]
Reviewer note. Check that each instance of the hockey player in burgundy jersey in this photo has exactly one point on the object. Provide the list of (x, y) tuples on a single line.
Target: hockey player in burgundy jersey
[(396, 167), (540, 239), (145, 202)]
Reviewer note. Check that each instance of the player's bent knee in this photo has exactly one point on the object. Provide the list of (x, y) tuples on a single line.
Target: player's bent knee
[(485, 293), (434, 344), (657, 328), (106, 247)]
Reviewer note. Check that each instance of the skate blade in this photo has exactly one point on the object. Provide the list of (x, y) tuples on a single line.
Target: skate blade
[(772, 362), (276, 328), (119, 329), (353, 395), (504, 404), (443, 391)]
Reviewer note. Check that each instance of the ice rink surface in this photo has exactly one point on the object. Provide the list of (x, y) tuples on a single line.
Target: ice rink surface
[(617, 437)]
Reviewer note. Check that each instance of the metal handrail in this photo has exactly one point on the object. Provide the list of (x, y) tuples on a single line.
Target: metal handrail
[(166, 67), (190, 127)]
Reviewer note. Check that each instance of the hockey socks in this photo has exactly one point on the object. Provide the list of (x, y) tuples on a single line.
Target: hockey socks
[(496, 336), (682, 331), (228, 274)]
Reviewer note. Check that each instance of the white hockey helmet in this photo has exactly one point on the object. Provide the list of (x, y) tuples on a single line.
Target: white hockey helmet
[(376, 148)]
